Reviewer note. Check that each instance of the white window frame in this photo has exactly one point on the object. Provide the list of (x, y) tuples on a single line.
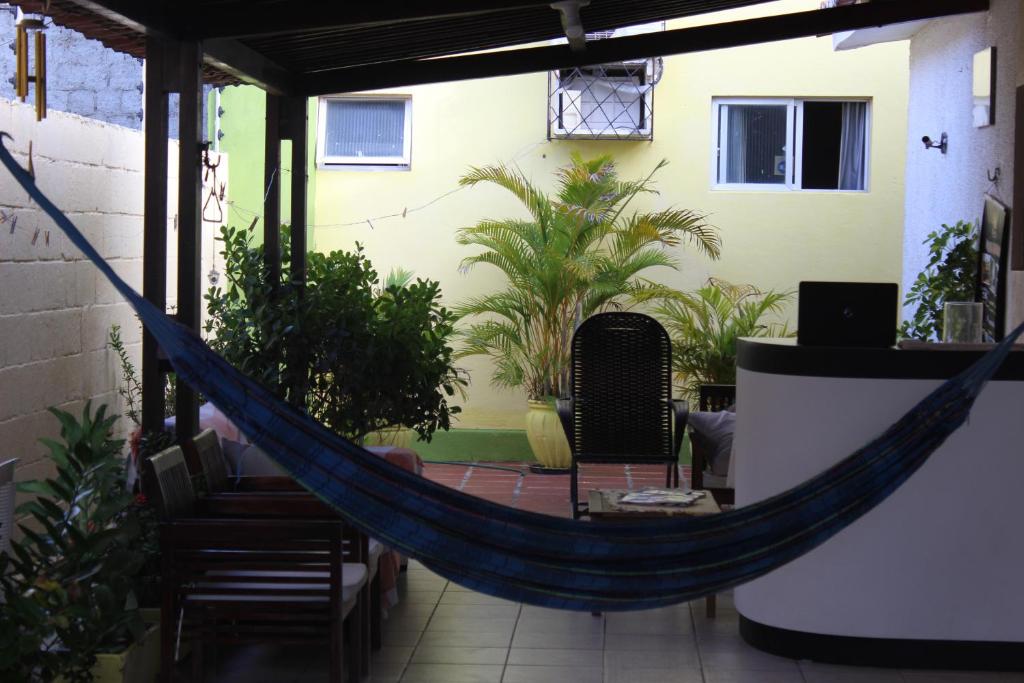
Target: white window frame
[(364, 163), (793, 180)]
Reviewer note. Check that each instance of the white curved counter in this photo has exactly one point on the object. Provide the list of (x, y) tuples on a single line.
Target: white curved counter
[(934, 576)]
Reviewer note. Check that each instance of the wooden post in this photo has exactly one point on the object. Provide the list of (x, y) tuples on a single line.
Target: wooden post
[(154, 255), (298, 126), (272, 190), (189, 217), (296, 129)]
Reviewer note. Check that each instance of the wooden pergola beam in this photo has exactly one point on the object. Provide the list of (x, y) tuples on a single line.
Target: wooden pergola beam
[(262, 21), (248, 66), (679, 41)]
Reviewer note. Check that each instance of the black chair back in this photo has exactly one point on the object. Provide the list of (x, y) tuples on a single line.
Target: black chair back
[(622, 390)]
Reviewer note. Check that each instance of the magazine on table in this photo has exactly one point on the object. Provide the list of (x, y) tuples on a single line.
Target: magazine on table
[(654, 496)]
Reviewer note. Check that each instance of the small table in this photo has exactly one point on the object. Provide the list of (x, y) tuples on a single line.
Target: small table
[(604, 504)]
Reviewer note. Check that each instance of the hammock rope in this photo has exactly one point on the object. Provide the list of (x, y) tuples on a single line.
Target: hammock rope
[(539, 559)]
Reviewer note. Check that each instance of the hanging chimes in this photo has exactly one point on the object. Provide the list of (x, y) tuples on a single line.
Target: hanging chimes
[(21, 74)]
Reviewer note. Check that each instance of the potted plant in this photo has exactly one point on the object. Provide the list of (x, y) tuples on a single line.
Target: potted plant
[(576, 253), (359, 355), (69, 586), (950, 275), (705, 325)]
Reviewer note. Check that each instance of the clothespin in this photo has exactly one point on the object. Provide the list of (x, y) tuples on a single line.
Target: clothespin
[(14, 224), (3, 217), (31, 168), (370, 223), (405, 210), (46, 237), (35, 236)]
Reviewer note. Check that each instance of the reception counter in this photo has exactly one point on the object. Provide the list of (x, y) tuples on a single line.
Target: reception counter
[(934, 576)]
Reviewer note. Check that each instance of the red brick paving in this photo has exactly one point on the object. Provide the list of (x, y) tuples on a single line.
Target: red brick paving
[(544, 493)]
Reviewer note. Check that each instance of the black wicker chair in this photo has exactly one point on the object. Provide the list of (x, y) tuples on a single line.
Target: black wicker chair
[(621, 408), (711, 398)]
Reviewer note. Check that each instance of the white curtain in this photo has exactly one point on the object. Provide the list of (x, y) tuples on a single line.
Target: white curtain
[(736, 163), (852, 146)]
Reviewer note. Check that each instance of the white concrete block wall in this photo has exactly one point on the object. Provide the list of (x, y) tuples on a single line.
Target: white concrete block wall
[(55, 309)]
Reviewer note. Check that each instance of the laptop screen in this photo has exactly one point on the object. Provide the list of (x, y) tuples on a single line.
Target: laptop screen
[(847, 314)]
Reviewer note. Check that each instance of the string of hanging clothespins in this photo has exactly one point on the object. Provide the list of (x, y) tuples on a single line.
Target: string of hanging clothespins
[(246, 214)]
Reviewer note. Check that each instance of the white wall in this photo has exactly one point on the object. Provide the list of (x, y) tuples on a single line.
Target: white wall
[(55, 308), (946, 188)]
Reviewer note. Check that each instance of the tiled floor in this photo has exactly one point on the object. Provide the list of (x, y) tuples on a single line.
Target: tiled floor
[(442, 633)]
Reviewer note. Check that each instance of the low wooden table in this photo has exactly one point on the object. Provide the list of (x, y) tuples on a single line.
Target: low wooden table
[(604, 504)]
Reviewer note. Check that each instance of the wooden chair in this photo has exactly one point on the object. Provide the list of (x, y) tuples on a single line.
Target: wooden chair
[(711, 398), (254, 579), (6, 504), (238, 496), (621, 408)]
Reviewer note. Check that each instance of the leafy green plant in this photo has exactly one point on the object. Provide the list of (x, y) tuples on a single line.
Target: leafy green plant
[(580, 252), (131, 388), (950, 275), (705, 325), (367, 355), (70, 591)]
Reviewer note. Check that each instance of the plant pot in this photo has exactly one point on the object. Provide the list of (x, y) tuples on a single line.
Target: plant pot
[(139, 663), (547, 440), (396, 437)]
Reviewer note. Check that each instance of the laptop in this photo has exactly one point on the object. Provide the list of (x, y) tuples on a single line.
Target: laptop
[(847, 314)]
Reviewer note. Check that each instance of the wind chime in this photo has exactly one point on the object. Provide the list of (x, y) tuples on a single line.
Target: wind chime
[(21, 75)]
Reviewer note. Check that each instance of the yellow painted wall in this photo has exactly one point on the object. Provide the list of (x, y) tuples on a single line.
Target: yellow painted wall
[(771, 239)]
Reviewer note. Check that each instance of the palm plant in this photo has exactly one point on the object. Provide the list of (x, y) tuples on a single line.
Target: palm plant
[(580, 252), (704, 326)]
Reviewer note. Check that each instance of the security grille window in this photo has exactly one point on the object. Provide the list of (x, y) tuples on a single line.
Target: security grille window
[(365, 131), (605, 101), (791, 144)]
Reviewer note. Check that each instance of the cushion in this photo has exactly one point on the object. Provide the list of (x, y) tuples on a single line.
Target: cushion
[(253, 462), (712, 432), (232, 454)]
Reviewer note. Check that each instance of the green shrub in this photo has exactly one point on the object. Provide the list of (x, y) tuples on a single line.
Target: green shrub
[(361, 356)]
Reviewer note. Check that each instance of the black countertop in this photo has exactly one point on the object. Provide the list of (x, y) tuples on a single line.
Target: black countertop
[(784, 357)]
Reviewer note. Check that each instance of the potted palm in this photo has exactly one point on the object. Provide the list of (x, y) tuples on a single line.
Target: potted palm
[(705, 325), (576, 253)]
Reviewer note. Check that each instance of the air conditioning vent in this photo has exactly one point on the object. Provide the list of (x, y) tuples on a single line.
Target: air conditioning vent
[(612, 101)]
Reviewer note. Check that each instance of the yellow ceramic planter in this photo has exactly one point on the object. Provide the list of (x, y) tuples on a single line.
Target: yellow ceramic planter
[(544, 432), (395, 437), (140, 663)]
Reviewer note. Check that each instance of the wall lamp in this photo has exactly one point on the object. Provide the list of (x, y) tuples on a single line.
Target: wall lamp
[(941, 145)]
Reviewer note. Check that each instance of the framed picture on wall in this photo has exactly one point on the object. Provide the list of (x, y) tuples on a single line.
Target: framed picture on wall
[(992, 263)]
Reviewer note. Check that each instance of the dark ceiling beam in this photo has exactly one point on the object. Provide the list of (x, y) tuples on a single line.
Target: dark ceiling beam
[(679, 41), (144, 17), (259, 20), (248, 66)]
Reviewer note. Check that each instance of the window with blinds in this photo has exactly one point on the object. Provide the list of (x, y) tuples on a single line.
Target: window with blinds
[(365, 131)]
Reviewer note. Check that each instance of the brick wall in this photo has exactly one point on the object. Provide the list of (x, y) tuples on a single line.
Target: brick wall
[(55, 308)]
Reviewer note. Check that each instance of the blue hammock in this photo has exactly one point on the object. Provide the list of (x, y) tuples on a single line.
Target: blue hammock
[(538, 559)]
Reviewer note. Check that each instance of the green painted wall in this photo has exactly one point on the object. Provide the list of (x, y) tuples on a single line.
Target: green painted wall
[(243, 123)]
